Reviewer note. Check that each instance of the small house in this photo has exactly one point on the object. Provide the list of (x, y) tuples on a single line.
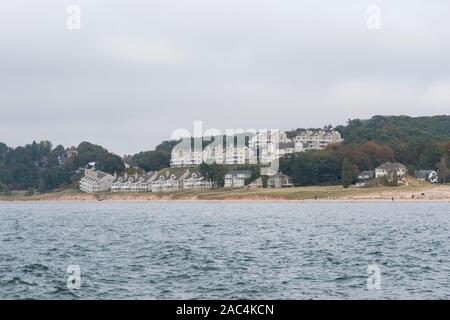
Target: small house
[(389, 169), (236, 179)]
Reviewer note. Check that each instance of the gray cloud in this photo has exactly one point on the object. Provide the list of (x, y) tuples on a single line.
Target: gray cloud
[(138, 70)]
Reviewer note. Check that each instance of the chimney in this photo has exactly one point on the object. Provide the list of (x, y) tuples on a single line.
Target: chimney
[(167, 173), (136, 175), (115, 175), (126, 175)]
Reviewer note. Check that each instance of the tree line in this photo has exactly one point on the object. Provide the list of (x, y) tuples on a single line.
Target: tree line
[(418, 143)]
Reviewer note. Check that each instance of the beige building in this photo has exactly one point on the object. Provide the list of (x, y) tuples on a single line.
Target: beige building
[(95, 181)]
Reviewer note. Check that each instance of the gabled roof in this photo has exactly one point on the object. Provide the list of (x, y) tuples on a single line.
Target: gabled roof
[(133, 179), (177, 173), (391, 166), (281, 175)]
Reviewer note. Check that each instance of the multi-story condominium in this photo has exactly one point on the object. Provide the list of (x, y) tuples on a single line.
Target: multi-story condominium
[(95, 181), (186, 157), (271, 151), (265, 147), (236, 179), (213, 153), (240, 155), (265, 137), (317, 139), (131, 183)]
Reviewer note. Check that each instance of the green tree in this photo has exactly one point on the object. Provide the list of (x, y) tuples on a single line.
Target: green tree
[(443, 169), (214, 173), (111, 163), (347, 173), (152, 160)]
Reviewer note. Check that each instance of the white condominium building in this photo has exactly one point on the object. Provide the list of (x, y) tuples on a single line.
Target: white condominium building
[(264, 147), (317, 139), (131, 183)]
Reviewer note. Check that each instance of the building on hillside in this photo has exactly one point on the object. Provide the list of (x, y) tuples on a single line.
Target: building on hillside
[(427, 175), (236, 179), (317, 139), (264, 147), (388, 169), (239, 155), (95, 181), (213, 153), (182, 157), (131, 183), (265, 137)]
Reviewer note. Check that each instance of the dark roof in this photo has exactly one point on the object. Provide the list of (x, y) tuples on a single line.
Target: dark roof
[(366, 173), (132, 177), (423, 174), (284, 145), (235, 172), (168, 172)]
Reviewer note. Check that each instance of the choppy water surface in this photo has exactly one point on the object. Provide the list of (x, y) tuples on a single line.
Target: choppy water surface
[(258, 250)]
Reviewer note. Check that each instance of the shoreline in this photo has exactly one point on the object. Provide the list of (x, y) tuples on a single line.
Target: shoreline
[(235, 201), (413, 194)]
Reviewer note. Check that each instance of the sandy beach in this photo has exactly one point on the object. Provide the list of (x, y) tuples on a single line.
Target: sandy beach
[(411, 193)]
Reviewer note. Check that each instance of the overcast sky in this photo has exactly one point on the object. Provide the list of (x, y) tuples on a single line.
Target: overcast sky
[(138, 70)]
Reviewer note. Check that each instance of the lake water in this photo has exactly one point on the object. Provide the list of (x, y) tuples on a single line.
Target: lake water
[(233, 250)]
